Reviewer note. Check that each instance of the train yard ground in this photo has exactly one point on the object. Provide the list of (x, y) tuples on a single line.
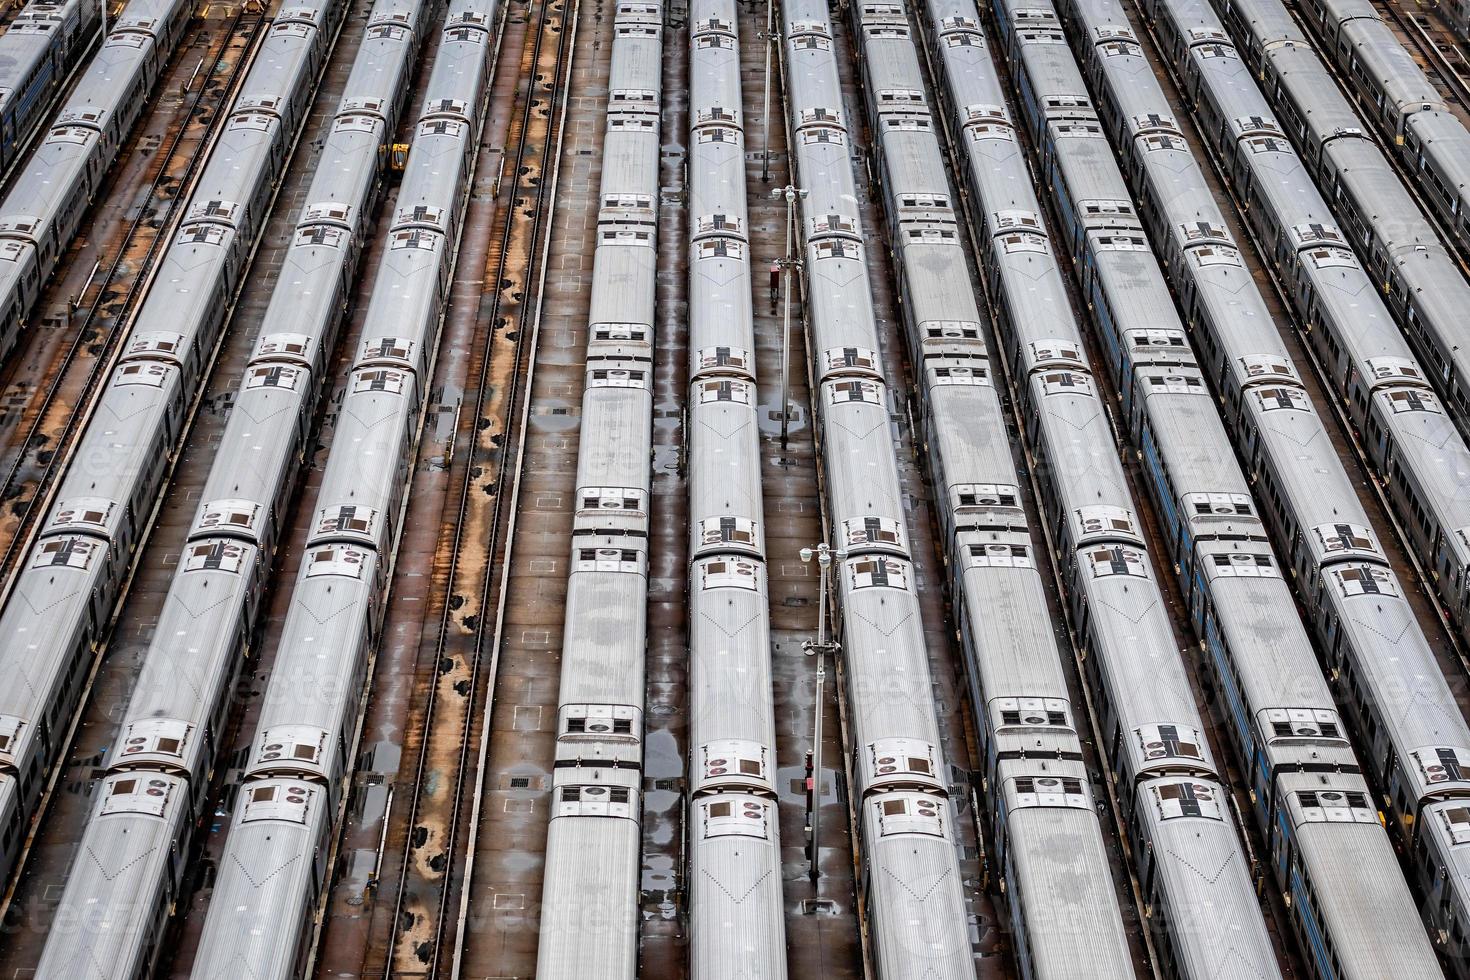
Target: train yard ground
[(438, 868)]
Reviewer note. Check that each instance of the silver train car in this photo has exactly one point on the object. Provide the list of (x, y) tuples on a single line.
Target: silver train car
[(735, 905), (1409, 434), (1414, 735), (50, 194), (273, 874), (37, 52), (1044, 819), (113, 909), (1168, 785), (44, 206), (1427, 136), (916, 905), (1262, 661), (589, 902)]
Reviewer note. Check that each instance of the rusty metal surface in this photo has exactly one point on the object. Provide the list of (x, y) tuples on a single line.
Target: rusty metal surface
[(413, 932)]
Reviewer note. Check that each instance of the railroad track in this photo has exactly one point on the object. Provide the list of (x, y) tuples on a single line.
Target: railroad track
[(57, 421), (1438, 48), (426, 885)]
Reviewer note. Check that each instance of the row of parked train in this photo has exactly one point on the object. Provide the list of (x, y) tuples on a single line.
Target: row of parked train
[(64, 596), (1349, 904), (735, 903), (911, 889), (1418, 274), (594, 844), (1353, 912), (1171, 798), (46, 202), (1426, 134), (1225, 484), (134, 851), (154, 795), (275, 870), (1415, 741), (1044, 811), (37, 53)]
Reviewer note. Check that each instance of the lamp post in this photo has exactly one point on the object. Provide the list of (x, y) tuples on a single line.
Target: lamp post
[(792, 194), (819, 649)]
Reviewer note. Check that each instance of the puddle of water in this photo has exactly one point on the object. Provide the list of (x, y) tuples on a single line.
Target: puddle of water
[(358, 872), (658, 874), (372, 803), (661, 755), (380, 757)]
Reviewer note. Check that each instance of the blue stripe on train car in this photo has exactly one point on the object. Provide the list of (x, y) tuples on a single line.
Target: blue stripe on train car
[(1155, 469), (1307, 916), (1216, 647)]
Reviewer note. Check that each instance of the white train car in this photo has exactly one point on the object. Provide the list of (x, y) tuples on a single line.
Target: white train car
[(589, 903), (1282, 718), (44, 206), (37, 52), (735, 902), (917, 908)]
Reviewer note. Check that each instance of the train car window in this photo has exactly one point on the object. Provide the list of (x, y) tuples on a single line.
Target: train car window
[(73, 552), (729, 530), (392, 382), (1457, 823), (997, 555), (868, 573), (730, 573)]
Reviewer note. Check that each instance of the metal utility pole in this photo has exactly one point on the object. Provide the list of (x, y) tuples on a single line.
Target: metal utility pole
[(792, 194), (819, 649), (770, 39)]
